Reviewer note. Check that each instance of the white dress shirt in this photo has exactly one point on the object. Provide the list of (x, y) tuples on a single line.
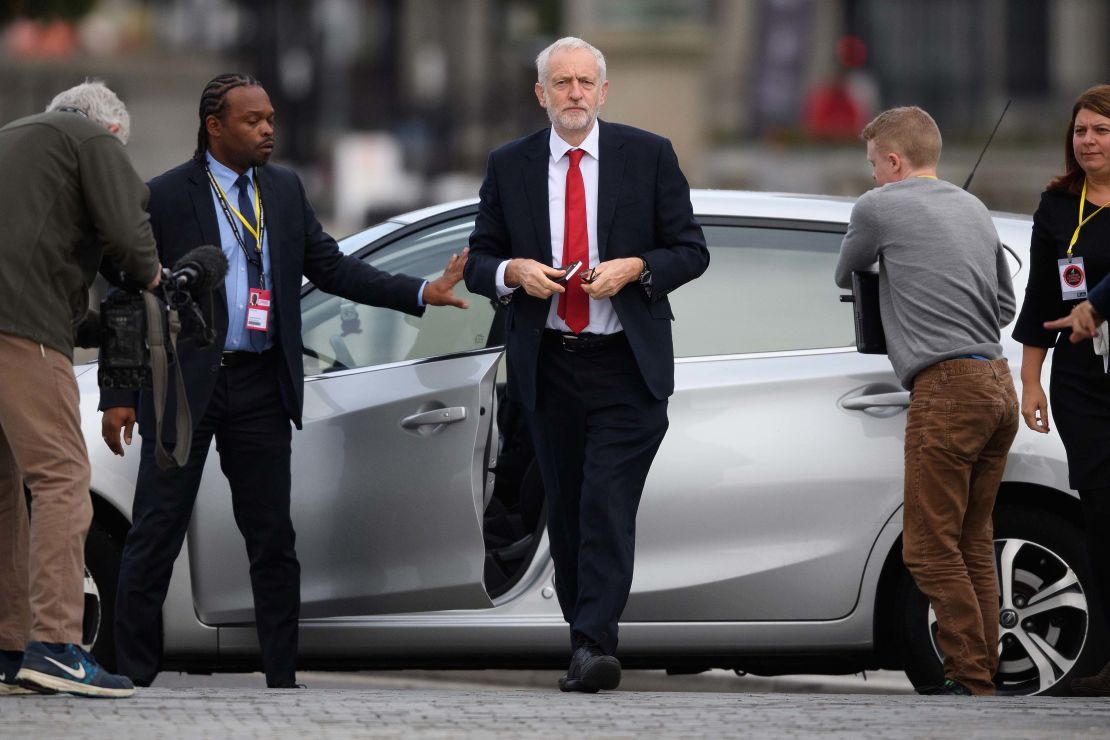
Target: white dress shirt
[(603, 319)]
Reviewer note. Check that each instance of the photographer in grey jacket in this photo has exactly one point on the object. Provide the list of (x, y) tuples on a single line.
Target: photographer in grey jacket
[(69, 197), (944, 293)]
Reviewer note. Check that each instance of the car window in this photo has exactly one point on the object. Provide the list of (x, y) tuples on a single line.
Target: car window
[(340, 334), (355, 242), (766, 290)]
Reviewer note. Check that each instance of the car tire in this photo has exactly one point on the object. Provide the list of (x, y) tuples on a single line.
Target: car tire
[(102, 560), (1041, 650), (919, 660)]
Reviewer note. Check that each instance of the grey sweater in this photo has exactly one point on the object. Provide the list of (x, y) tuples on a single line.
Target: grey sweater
[(944, 282)]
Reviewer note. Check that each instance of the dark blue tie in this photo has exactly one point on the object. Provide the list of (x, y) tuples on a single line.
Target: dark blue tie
[(257, 339)]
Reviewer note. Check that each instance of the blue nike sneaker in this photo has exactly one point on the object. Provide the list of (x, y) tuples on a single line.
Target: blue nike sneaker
[(70, 669), (9, 666)]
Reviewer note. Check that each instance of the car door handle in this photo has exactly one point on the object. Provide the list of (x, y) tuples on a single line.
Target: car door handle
[(860, 403), (435, 417)]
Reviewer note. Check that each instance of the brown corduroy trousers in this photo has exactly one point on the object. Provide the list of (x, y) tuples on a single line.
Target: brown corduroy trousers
[(42, 561), (962, 419)]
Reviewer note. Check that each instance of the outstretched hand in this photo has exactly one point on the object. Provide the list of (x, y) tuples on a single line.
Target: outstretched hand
[(1083, 322), (441, 291)]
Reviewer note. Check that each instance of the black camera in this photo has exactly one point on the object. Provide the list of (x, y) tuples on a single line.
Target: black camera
[(131, 322)]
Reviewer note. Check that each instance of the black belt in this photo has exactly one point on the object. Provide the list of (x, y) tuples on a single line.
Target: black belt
[(237, 358), (582, 342)]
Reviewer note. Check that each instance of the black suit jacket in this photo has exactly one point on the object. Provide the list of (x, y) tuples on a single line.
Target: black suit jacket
[(183, 216), (643, 210)]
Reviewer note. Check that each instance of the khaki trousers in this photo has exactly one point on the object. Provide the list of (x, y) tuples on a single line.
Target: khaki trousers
[(42, 562), (962, 419)]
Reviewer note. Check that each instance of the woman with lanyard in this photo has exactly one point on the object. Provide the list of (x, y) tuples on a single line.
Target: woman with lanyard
[(1070, 253)]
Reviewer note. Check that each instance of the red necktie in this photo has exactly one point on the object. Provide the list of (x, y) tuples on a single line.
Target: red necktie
[(574, 304)]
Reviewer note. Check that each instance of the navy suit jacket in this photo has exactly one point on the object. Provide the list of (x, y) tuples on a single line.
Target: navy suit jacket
[(183, 216), (1100, 298), (643, 210)]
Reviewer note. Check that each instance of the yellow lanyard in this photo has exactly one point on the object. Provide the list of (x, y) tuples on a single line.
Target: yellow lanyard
[(256, 233), (1082, 221)]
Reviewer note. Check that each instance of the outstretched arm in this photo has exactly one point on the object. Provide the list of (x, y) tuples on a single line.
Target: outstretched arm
[(1083, 321)]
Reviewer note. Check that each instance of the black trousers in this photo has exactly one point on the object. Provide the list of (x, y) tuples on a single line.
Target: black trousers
[(1096, 521), (596, 429), (253, 437)]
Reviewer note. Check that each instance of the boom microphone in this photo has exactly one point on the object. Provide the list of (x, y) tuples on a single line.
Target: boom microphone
[(200, 269)]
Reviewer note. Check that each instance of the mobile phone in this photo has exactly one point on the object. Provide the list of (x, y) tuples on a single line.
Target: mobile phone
[(571, 270)]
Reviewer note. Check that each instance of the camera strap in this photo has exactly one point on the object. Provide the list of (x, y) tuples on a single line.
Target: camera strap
[(159, 363)]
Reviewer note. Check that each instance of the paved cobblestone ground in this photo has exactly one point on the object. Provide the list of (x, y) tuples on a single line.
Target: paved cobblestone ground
[(317, 714)]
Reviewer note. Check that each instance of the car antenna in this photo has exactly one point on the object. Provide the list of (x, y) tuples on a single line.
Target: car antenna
[(989, 140)]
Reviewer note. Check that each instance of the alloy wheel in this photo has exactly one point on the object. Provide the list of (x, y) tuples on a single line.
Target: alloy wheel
[(1043, 617), (90, 625)]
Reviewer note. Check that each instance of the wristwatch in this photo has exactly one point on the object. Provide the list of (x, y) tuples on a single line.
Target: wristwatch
[(645, 274)]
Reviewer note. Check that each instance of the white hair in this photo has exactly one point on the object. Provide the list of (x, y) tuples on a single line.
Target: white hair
[(563, 44), (94, 99)]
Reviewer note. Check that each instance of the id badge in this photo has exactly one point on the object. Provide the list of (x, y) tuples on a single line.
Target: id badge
[(1073, 278), (258, 310)]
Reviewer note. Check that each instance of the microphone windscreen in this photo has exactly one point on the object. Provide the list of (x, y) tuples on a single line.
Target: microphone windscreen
[(210, 264)]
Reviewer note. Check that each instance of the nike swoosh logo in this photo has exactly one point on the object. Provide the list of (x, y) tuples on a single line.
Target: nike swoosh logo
[(76, 673)]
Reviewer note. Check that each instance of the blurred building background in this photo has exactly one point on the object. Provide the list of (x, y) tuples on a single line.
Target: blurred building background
[(384, 105)]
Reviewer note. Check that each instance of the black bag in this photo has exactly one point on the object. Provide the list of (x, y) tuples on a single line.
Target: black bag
[(870, 339)]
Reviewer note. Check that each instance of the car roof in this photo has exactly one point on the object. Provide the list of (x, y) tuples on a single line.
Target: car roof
[(793, 206)]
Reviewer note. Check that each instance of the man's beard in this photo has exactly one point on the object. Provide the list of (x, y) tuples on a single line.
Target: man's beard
[(258, 159), (571, 121)]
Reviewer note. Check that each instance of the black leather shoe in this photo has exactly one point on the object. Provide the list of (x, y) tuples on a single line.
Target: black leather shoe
[(591, 671), (1096, 685)]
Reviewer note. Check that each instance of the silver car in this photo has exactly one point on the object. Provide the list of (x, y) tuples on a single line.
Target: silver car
[(769, 533)]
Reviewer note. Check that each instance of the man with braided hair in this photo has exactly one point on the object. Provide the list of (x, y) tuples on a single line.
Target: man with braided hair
[(246, 387)]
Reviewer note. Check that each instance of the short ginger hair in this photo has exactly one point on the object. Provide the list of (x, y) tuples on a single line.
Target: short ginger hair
[(909, 132)]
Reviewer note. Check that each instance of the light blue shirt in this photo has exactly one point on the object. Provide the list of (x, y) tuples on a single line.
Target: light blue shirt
[(235, 283)]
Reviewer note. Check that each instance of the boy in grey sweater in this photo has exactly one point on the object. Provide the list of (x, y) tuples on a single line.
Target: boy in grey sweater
[(944, 293)]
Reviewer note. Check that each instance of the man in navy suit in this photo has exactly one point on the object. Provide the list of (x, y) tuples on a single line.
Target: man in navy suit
[(589, 358), (247, 386)]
